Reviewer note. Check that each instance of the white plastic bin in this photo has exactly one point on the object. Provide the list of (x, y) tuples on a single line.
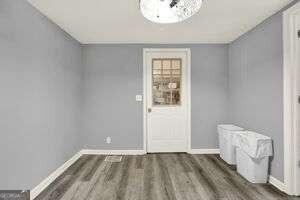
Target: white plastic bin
[(253, 152), (226, 142)]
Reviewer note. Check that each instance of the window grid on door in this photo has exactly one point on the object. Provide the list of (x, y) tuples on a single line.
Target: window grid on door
[(166, 81)]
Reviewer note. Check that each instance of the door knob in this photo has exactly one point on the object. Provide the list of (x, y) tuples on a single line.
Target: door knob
[(149, 110)]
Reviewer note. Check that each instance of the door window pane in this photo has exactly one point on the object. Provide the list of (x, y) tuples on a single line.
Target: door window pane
[(176, 64), (156, 64), (166, 64), (166, 82)]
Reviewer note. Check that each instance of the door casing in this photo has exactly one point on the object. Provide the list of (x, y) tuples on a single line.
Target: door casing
[(188, 93), (291, 58)]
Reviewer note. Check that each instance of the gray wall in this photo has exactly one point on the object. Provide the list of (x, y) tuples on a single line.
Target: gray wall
[(113, 75), (40, 76), (256, 84)]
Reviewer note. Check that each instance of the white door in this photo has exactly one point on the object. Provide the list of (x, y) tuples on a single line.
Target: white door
[(167, 101)]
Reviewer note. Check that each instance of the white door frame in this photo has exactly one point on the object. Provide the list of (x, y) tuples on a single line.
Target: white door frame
[(188, 85), (290, 65)]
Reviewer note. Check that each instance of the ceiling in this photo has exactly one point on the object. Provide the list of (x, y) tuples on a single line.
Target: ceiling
[(120, 21)]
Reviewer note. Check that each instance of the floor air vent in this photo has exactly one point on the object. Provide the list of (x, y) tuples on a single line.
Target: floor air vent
[(113, 159)]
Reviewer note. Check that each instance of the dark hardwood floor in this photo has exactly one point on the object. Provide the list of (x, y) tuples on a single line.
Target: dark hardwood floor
[(156, 177)]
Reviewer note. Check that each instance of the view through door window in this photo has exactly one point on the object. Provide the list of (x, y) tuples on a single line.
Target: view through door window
[(166, 81)]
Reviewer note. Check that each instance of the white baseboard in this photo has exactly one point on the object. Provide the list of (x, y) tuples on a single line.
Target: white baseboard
[(278, 184), (113, 152), (204, 151), (46, 182)]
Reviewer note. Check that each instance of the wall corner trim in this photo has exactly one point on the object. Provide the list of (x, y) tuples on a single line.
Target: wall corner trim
[(47, 181), (277, 183), (204, 151)]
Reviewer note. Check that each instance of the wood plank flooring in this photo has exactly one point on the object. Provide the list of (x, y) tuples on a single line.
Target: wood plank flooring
[(156, 177)]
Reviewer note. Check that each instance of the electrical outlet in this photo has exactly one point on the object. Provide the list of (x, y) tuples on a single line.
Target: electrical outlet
[(108, 140)]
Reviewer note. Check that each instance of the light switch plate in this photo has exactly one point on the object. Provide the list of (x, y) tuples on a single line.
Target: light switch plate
[(139, 97)]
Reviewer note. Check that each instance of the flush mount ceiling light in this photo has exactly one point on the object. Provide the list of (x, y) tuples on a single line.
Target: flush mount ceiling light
[(169, 11)]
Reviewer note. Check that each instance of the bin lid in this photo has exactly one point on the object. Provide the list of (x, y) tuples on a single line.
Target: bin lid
[(254, 144), (230, 127)]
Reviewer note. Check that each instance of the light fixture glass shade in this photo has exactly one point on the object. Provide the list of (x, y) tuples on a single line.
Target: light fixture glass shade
[(169, 11)]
